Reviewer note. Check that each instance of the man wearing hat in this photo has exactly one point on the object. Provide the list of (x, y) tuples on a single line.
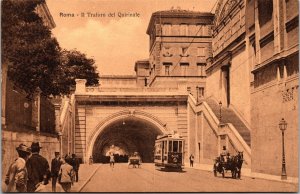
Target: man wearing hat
[(55, 166), (38, 168), (16, 177), (75, 164)]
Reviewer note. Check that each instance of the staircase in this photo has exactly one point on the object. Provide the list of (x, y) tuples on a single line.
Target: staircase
[(229, 116)]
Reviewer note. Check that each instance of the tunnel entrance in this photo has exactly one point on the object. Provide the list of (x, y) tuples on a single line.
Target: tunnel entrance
[(124, 137)]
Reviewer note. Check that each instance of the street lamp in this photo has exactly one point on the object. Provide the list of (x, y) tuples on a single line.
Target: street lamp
[(220, 105), (282, 127)]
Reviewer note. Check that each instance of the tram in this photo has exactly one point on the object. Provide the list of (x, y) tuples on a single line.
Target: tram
[(169, 151)]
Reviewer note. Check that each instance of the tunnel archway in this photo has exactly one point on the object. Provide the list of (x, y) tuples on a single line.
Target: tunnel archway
[(124, 134)]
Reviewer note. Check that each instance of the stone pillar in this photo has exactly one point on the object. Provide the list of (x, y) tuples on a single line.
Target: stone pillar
[(4, 67), (36, 109), (57, 118), (80, 85), (58, 127)]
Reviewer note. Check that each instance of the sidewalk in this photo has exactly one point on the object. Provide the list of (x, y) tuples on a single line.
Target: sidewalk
[(86, 171), (247, 173)]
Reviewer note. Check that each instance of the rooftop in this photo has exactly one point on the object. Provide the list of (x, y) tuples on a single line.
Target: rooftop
[(178, 13)]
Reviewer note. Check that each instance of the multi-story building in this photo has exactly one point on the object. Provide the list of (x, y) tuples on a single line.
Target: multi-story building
[(254, 72), (273, 31), (228, 71), (180, 43)]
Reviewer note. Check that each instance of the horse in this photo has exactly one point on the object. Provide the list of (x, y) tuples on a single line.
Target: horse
[(238, 162), (234, 164)]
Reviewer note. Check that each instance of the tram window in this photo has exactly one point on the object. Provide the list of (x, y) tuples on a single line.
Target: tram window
[(175, 146), (180, 146), (165, 148), (170, 146)]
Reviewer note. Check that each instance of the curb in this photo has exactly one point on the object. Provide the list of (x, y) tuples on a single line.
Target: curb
[(88, 180), (253, 176)]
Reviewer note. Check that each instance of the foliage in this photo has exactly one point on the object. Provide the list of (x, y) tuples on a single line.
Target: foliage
[(35, 57), (75, 65)]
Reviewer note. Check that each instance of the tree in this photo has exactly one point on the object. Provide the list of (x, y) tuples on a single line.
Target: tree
[(75, 65), (35, 57)]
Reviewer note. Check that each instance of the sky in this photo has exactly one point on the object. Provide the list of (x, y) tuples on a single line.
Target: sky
[(115, 43)]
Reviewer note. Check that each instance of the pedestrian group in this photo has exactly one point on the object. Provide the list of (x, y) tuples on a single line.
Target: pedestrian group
[(30, 172)]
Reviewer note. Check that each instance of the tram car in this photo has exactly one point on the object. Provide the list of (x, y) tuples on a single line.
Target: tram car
[(169, 151)]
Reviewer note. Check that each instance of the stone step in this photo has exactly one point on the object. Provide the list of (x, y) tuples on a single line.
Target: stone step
[(229, 116)]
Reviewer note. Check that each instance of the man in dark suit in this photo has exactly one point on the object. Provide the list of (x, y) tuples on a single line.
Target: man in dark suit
[(37, 167), (55, 166), (75, 164)]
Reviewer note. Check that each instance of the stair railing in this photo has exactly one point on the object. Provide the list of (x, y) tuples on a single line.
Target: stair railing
[(228, 129)]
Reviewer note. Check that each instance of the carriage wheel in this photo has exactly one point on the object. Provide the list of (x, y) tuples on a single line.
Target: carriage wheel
[(233, 174)]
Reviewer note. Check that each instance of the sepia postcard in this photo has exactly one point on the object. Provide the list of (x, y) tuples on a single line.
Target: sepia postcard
[(150, 95)]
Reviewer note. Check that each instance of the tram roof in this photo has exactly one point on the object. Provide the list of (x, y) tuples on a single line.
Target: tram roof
[(172, 136)]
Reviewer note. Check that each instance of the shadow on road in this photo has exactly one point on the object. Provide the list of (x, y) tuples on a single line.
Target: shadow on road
[(172, 170), (227, 177)]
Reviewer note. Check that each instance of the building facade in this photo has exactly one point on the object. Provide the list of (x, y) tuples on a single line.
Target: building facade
[(273, 35), (228, 71), (254, 72), (180, 43)]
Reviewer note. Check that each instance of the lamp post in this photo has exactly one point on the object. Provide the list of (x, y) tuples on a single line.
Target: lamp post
[(282, 127), (220, 105)]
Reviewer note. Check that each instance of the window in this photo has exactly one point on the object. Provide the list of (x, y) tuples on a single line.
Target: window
[(201, 69), (167, 68), (170, 146), (265, 11), (183, 67), (180, 147), (199, 30), (167, 29), (204, 30), (175, 146), (200, 92), (165, 147), (183, 29)]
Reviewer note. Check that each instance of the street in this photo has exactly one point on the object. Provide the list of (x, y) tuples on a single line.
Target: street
[(151, 179)]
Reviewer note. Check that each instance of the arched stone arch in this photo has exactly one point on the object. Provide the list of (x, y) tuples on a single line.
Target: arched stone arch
[(160, 125)]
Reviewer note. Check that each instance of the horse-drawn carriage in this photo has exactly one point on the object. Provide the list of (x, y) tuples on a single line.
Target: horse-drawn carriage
[(224, 163), (134, 160)]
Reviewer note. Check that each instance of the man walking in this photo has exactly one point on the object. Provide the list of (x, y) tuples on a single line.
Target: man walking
[(111, 160), (38, 168), (16, 177), (191, 160), (55, 166), (65, 172), (75, 164)]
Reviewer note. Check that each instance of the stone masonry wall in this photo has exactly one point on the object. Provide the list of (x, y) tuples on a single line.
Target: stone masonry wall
[(11, 140)]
